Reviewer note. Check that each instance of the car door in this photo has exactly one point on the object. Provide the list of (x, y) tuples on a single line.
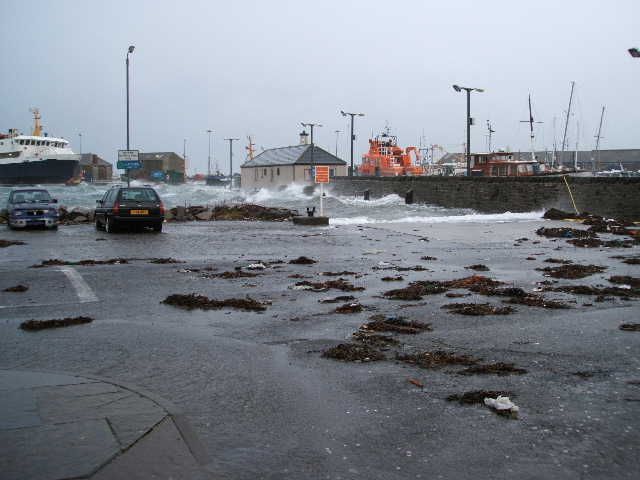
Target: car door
[(104, 205)]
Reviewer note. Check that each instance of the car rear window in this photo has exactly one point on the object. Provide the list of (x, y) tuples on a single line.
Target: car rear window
[(30, 196), (138, 195)]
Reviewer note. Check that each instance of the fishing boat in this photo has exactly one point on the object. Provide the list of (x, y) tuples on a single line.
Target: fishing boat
[(386, 159), (502, 164), (37, 158)]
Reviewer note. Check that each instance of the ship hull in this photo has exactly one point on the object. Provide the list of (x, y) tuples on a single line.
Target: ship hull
[(39, 171)]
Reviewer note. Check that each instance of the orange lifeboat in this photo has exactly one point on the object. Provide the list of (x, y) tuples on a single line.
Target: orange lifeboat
[(386, 159)]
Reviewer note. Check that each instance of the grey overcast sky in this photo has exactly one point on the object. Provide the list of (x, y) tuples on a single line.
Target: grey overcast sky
[(261, 67)]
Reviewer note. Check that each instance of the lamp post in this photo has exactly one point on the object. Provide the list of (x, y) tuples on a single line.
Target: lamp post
[(353, 137), (337, 132), (129, 51), (231, 161), (311, 125), (458, 88), (209, 157)]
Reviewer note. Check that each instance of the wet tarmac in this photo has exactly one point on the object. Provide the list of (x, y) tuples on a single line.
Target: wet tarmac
[(263, 400)]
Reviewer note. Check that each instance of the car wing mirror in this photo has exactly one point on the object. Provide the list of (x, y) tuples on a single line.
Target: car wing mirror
[(54, 200)]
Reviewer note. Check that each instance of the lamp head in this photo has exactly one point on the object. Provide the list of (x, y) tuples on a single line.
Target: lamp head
[(479, 90), (457, 88), (343, 114), (131, 48), (361, 114), (634, 52)]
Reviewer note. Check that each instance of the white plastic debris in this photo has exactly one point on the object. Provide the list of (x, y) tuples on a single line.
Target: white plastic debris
[(502, 404), (256, 266), (302, 287)]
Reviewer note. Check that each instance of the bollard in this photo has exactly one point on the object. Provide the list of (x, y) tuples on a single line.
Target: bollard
[(408, 197), (366, 194), (311, 211)]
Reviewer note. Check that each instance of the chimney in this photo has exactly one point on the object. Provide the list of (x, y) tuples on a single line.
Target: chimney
[(304, 138)]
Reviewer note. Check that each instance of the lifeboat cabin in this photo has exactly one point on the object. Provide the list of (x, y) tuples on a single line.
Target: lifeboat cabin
[(386, 159), (501, 164)]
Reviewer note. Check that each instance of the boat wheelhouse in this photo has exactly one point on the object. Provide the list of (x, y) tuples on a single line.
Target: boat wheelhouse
[(501, 164), (386, 159)]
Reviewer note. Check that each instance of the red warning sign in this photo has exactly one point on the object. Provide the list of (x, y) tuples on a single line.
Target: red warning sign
[(322, 174)]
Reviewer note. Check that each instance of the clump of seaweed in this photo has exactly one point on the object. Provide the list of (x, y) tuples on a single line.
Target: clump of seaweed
[(16, 289), (34, 325), (393, 323), (498, 368), (477, 309), (192, 301), (436, 359), (350, 352), (572, 271), (302, 261)]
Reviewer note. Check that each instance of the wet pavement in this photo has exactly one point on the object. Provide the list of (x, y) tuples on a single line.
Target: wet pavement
[(263, 401)]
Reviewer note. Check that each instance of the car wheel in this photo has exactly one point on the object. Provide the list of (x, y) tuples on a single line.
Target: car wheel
[(98, 225), (109, 225), (157, 227)]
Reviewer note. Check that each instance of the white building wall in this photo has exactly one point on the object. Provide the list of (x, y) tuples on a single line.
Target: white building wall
[(278, 176)]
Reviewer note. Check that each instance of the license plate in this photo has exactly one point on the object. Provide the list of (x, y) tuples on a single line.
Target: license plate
[(139, 212)]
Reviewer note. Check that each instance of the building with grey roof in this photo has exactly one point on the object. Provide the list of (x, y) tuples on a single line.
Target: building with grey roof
[(278, 167), (161, 166)]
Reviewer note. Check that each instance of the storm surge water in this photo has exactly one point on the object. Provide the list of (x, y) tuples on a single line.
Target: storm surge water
[(342, 210)]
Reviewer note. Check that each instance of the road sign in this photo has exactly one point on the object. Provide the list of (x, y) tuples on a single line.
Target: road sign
[(129, 160), (322, 174)]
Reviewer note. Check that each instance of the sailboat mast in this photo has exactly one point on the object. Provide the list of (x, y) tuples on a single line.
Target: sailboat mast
[(596, 165), (566, 124), (575, 157)]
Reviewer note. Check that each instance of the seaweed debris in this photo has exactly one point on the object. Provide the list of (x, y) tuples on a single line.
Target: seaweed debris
[(564, 232), (536, 301), (34, 325), (558, 260), (630, 327), (192, 301), (572, 271), (477, 309), (399, 278), (163, 261), (394, 323), (436, 359), (8, 243), (625, 280), (233, 274), (477, 396), (374, 339), (337, 274), (428, 258), (340, 298), (589, 290), (16, 289), (349, 352), (479, 267), (498, 368), (354, 307), (54, 262), (302, 261), (338, 284)]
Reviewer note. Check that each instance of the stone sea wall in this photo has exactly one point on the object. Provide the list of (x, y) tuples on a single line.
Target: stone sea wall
[(606, 196)]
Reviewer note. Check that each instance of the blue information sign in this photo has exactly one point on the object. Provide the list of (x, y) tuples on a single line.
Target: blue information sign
[(129, 165)]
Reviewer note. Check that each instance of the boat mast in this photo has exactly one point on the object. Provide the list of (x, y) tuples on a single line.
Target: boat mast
[(531, 135), (566, 125), (596, 166), (37, 128), (555, 145), (575, 156), (491, 132)]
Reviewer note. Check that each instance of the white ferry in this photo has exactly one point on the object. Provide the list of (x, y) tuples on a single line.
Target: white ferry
[(37, 158)]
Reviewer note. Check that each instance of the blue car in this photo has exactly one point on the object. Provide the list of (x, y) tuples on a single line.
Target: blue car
[(31, 207)]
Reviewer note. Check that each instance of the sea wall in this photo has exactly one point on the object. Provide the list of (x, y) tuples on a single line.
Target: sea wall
[(606, 196)]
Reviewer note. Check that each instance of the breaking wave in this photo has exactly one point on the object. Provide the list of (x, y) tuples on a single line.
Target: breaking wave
[(469, 218)]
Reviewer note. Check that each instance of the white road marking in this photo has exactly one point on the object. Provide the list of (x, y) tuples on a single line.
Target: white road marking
[(83, 290)]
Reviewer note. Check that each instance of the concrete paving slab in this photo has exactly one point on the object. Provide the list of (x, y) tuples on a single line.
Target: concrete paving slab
[(15, 379), (68, 450), (19, 410), (129, 428), (161, 454)]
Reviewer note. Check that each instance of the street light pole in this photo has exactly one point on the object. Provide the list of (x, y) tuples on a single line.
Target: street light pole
[(457, 88), (231, 161), (353, 137), (129, 51), (337, 132), (209, 157)]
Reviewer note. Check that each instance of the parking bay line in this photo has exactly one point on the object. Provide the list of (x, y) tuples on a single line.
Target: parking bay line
[(83, 290)]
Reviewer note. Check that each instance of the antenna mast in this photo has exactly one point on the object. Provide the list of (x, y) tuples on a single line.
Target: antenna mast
[(531, 134)]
